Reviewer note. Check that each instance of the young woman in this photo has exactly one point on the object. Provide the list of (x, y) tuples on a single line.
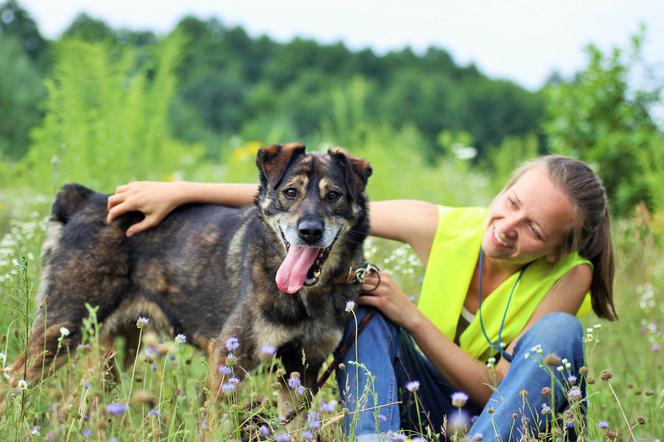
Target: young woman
[(516, 273)]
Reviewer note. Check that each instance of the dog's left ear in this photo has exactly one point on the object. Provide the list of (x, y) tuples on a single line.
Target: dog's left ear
[(273, 161), (357, 171)]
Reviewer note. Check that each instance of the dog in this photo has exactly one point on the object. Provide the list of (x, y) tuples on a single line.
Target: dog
[(273, 273)]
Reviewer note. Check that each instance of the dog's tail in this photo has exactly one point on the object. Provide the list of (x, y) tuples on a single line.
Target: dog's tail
[(69, 201)]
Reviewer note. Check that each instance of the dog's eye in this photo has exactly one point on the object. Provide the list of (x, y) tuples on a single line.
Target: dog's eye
[(290, 193), (333, 196)]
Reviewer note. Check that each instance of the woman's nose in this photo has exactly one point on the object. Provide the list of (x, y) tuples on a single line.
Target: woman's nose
[(509, 227)]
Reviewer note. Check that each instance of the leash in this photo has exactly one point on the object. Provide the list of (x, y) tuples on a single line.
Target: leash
[(356, 276)]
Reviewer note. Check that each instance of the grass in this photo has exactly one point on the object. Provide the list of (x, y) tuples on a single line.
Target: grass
[(160, 396)]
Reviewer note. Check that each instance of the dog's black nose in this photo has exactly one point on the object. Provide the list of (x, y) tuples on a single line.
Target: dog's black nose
[(310, 231)]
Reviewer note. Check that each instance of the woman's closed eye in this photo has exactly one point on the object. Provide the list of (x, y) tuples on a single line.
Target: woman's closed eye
[(535, 232)]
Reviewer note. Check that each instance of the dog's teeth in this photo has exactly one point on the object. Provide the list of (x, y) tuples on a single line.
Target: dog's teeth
[(316, 273)]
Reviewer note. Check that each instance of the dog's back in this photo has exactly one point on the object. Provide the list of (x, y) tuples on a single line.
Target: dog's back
[(170, 273)]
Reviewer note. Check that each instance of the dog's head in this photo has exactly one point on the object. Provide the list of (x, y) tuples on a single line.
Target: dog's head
[(312, 202)]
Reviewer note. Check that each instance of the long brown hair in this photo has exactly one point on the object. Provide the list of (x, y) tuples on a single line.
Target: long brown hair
[(591, 232)]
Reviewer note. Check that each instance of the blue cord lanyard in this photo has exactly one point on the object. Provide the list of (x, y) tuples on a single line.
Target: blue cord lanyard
[(496, 346)]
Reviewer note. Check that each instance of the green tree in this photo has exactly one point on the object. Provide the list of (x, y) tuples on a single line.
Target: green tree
[(16, 22), (90, 29), (21, 91), (605, 119)]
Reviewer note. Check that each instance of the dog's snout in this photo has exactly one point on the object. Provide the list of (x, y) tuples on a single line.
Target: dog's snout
[(310, 231)]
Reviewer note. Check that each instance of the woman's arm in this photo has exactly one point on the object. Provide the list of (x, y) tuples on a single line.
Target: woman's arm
[(412, 222), (158, 199), (459, 369)]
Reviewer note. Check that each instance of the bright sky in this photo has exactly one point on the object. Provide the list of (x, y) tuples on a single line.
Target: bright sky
[(521, 40)]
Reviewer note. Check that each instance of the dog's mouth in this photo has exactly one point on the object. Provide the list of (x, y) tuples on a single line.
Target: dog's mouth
[(302, 266)]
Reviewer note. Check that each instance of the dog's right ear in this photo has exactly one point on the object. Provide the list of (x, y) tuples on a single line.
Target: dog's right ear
[(273, 161)]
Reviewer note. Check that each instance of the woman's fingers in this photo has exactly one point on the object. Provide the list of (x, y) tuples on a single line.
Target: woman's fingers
[(122, 188), (118, 209), (148, 222), (372, 301), (114, 200)]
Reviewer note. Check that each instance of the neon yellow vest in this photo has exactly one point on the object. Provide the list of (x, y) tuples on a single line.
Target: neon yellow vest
[(452, 260)]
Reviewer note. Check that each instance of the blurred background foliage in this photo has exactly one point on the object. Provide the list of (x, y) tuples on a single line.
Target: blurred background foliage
[(102, 106)]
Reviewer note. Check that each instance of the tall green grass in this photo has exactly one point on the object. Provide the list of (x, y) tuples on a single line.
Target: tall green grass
[(107, 119)]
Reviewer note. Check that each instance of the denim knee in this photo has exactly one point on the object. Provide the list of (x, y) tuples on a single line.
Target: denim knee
[(556, 332)]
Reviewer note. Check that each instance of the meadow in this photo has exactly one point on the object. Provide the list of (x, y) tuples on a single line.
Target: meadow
[(106, 122)]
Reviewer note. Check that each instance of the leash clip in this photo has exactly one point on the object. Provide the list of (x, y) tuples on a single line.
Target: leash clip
[(362, 272)]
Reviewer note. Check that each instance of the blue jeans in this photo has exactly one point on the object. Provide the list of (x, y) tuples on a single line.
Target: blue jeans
[(389, 360)]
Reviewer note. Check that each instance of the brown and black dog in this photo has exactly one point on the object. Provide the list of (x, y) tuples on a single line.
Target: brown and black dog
[(273, 273)]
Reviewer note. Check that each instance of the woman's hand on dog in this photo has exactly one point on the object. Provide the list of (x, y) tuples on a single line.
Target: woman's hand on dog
[(154, 199), (389, 299)]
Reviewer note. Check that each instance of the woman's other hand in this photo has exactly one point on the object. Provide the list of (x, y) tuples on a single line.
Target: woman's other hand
[(154, 199), (389, 299)]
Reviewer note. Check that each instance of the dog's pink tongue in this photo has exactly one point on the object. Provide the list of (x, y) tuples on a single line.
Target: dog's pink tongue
[(293, 271)]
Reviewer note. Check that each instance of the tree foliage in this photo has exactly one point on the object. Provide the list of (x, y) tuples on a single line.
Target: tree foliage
[(604, 117), (107, 118)]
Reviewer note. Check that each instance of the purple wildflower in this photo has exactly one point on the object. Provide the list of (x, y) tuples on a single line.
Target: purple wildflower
[(413, 386), (458, 420), (227, 388), (294, 382), (307, 435), (49, 436), (225, 369), (350, 306), (116, 409), (459, 399), (268, 350), (142, 322), (574, 394), (154, 412), (181, 339), (86, 433), (603, 424), (234, 380), (232, 343), (283, 437), (655, 347), (571, 379), (265, 430), (545, 409), (328, 407), (312, 421), (395, 436)]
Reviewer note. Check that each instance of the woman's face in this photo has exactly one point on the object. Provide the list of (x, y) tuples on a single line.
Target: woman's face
[(528, 221)]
